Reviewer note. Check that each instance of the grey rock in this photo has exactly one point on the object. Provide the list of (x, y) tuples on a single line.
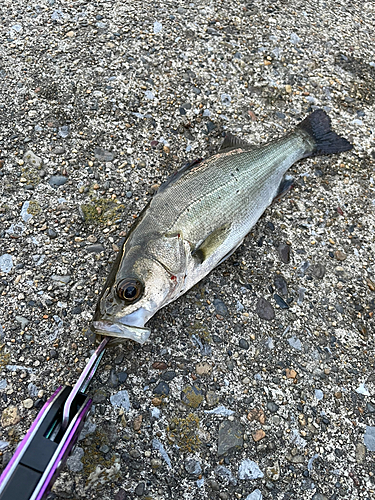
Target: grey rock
[(319, 496), (226, 474), (272, 407), (32, 159), (63, 280), (280, 284), (318, 271), (64, 131), (121, 495), (74, 461), (230, 436), (103, 155), (168, 375), (6, 263), (280, 301), (255, 495), (284, 252), (104, 448), (51, 233), (295, 343), (369, 438), (23, 321), (140, 489), (264, 309), (244, 344), (121, 399), (212, 398), (249, 470), (162, 388), (339, 308), (220, 307), (95, 248), (58, 180), (192, 466), (302, 269)]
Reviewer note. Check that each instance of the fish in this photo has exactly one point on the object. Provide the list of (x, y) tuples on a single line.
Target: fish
[(197, 219)]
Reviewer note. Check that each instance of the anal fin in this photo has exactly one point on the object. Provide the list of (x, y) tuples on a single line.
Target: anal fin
[(285, 186)]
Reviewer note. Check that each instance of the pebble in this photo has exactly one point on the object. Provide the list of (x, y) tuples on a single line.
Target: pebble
[(264, 309), (244, 344), (32, 159), (203, 368), (225, 473), (295, 343), (255, 495), (121, 399), (192, 396), (162, 389), (220, 307), (6, 263), (280, 284), (95, 248), (212, 398), (61, 279), (168, 375), (249, 470), (360, 453), (280, 301), (318, 270), (369, 438), (10, 416), (192, 466), (319, 496), (51, 233), (103, 155), (28, 403), (140, 489), (230, 437), (340, 255), (121, 495), (256, 414), (74, 460), (137, 424), (258, 435), (24, 321), (272, 406), (57, 180), (284, 252), (273, 472)]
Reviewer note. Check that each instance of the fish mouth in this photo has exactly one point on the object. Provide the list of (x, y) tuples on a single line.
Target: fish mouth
[(121, 331)]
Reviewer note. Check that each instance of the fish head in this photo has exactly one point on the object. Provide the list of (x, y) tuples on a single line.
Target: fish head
[(138, 286)]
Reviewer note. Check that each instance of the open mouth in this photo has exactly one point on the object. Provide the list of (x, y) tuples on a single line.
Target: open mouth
[(121, 331)]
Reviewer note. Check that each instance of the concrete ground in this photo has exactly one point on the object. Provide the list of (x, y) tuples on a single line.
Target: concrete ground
[(259, 382)]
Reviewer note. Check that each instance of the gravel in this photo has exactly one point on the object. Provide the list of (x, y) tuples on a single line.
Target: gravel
[(100, 103)]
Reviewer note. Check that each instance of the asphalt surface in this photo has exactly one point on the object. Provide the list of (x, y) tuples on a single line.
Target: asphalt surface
[(259, 382)]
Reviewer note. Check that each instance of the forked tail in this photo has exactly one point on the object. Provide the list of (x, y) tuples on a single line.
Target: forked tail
[(325, 141)]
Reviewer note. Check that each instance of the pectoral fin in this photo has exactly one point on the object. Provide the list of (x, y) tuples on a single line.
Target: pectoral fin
[(211, 243)]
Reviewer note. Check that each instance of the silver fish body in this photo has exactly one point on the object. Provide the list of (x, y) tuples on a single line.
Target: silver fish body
[(196, 220)]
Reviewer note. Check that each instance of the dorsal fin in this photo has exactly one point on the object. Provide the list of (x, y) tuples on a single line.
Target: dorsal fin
[(176, 175), (232, 142)]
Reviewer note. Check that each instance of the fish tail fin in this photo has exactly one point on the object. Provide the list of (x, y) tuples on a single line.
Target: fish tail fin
[(324, 141)]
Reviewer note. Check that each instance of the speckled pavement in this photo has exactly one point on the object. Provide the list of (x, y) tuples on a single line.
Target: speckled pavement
[(259, 382)]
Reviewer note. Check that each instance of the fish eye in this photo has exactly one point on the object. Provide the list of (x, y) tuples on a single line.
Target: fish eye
[(129, 289)]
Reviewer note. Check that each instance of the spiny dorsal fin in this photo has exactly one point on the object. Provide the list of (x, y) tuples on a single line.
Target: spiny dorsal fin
[(179, 173), (232, 142), (211, 243)]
